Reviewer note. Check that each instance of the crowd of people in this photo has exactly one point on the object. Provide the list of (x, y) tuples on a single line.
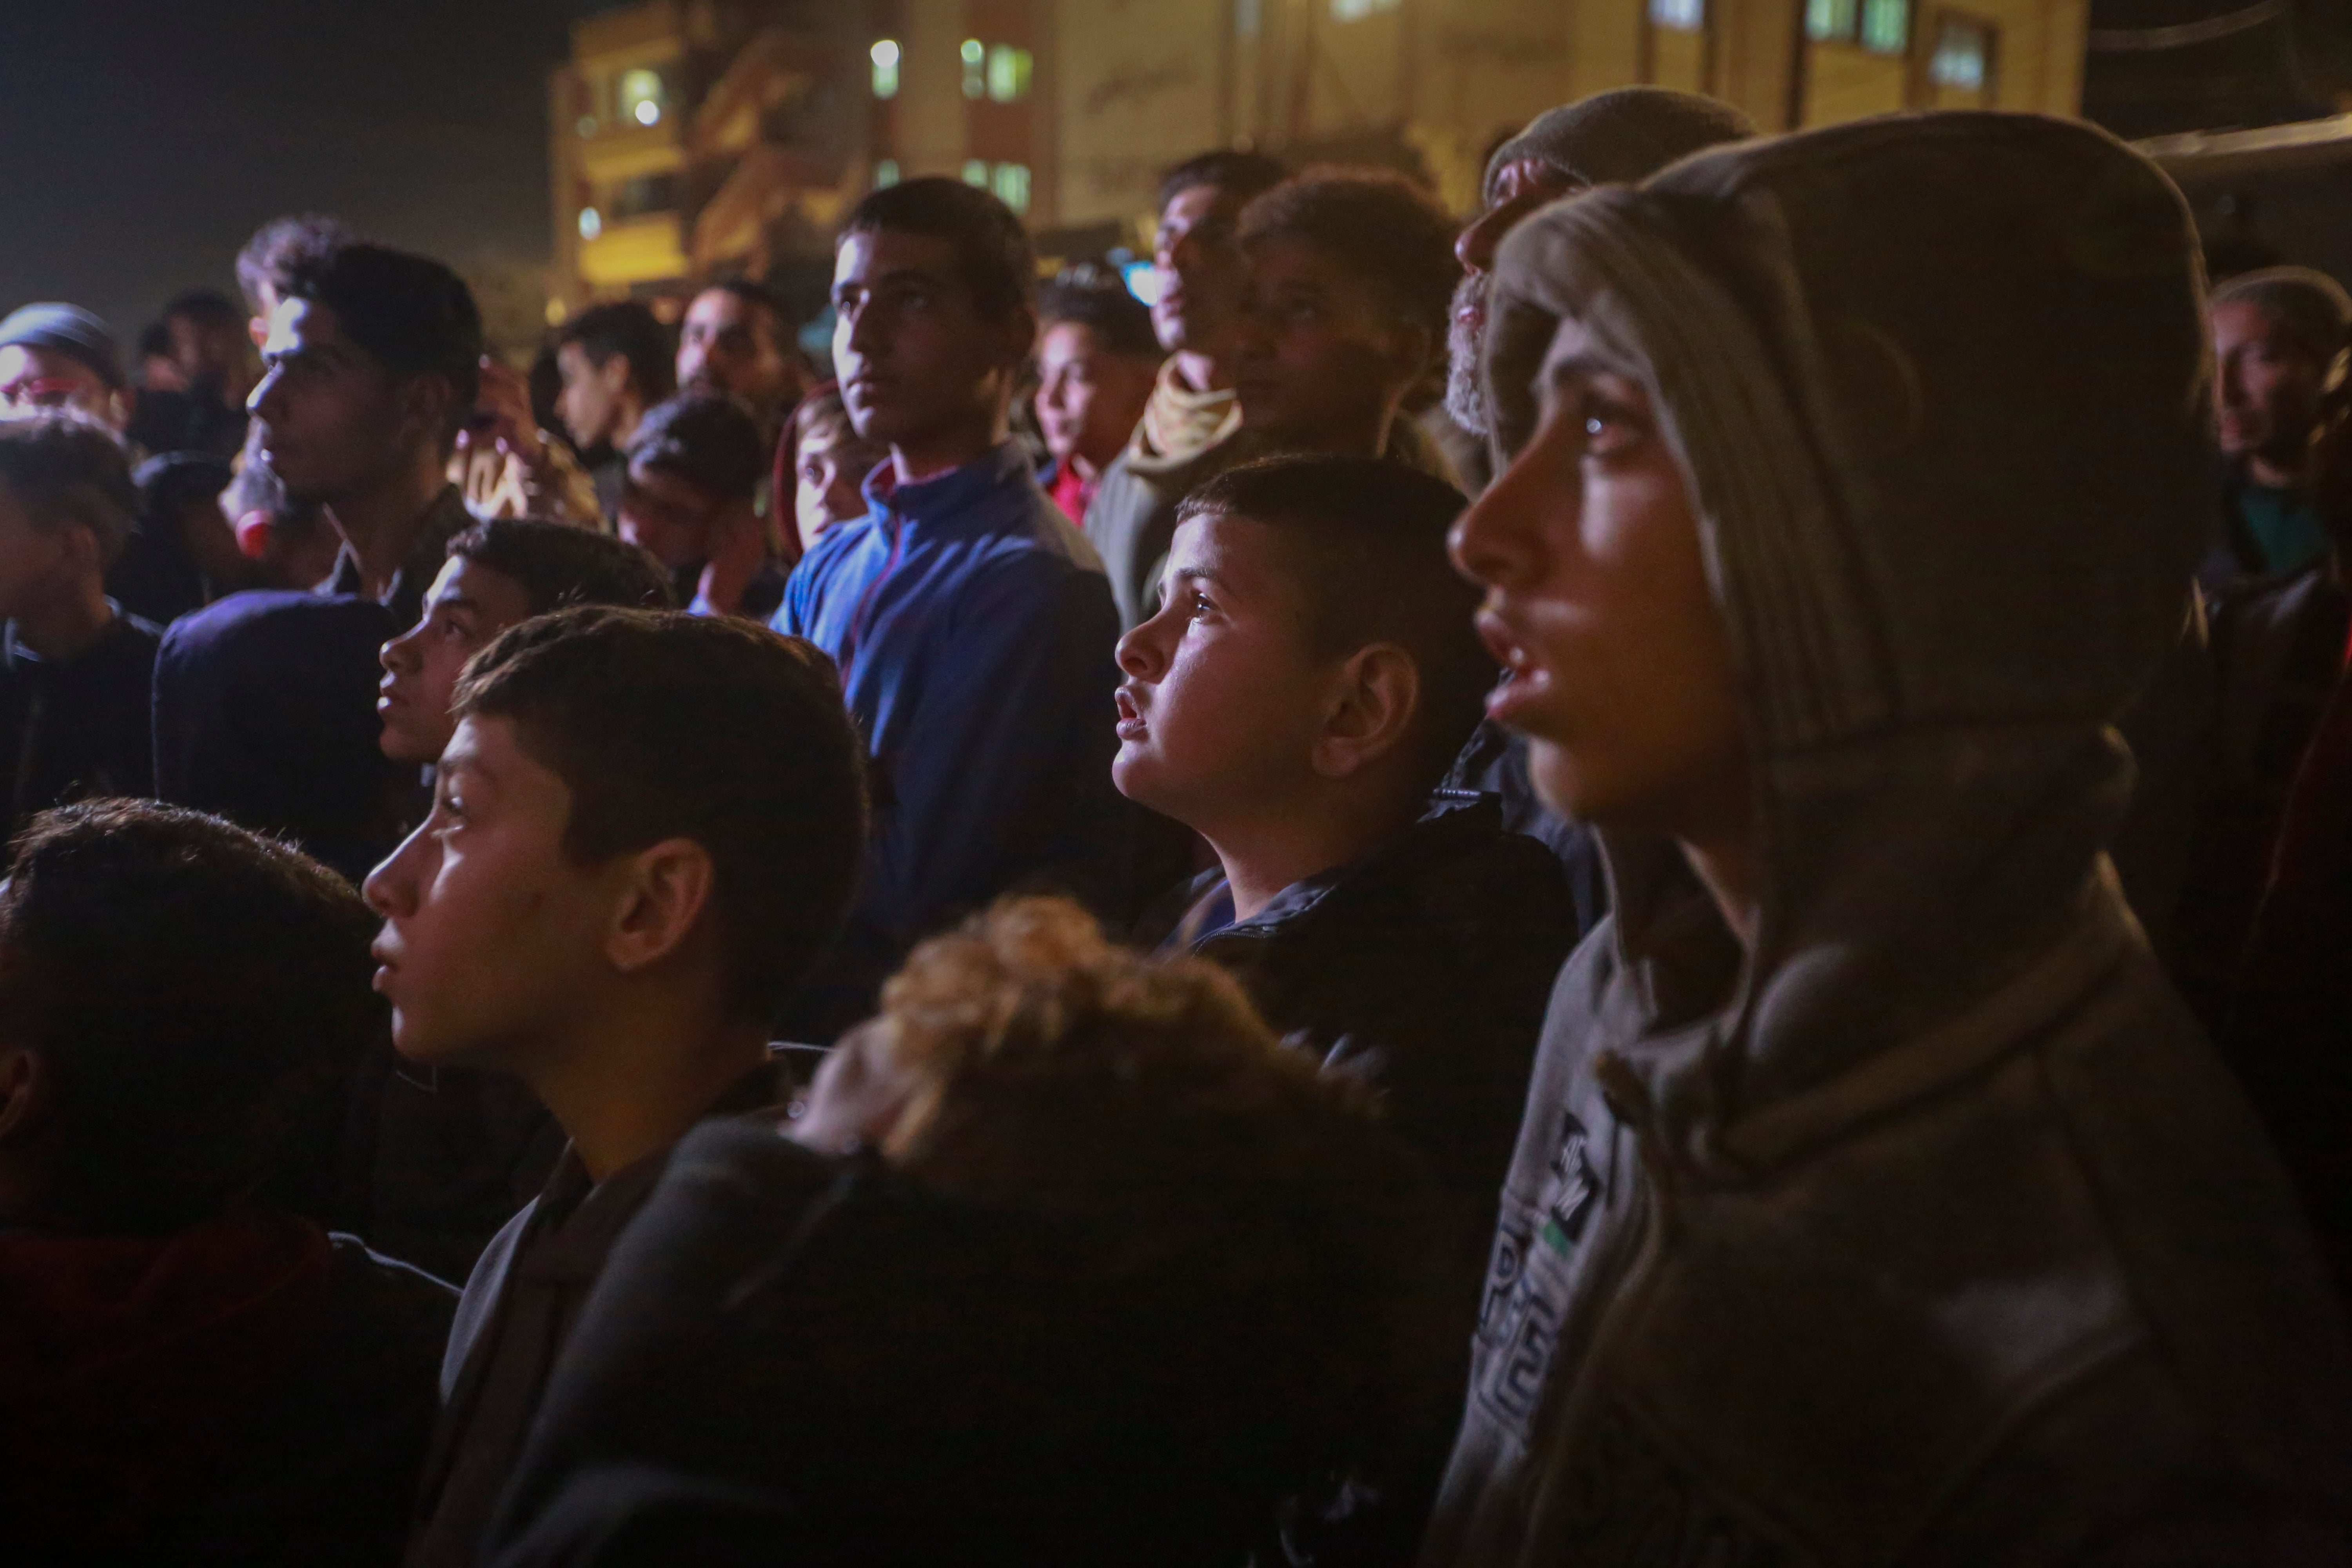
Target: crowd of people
[(1653, 877)]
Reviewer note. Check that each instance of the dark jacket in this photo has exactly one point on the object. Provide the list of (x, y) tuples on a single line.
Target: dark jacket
[(974, 632), (906, 1379), (265, 713), (76, 728), (1422, 969), (249, 1391), (1494, 761), (519, 1305), (1923, 1226)]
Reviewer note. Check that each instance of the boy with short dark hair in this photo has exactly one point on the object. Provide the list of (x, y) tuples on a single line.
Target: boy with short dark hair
[(616, 363), (1067, 1263), (499, 574), (75, 671), (643, 831), (1097, 362), (830, 463), (1295, 701), (691, 498), (189, 1366), (970, 620)]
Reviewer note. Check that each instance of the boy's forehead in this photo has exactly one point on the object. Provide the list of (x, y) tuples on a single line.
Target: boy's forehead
[(1234, 548), (867, 254)]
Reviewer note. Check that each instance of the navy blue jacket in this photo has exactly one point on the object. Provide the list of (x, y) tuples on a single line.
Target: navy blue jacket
[(975, 633), (75, 729)]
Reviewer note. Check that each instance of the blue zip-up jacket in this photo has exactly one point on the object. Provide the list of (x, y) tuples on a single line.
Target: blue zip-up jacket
[(975, 633)]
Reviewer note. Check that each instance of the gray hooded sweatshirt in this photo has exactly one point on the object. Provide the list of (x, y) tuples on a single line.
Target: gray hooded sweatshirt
[(1927, 1229)]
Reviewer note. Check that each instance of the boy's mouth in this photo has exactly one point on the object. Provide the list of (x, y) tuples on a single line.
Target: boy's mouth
[(1131, 726)]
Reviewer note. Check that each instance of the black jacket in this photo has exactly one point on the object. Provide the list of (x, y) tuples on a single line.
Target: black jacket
[(76, 728), (895, 1378)]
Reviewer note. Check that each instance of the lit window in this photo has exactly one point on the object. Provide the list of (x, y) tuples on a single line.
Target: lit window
[(1356, 10), (591, 223), (975, 173), (642, 98), (885, 53), (1684, 15), (1831, 20), (975, 68), (886, 172), (1886, 26), (1963, 56), (1012, 185), (1008, 73)]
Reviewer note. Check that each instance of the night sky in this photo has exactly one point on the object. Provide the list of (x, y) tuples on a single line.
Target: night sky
[(142, 141)]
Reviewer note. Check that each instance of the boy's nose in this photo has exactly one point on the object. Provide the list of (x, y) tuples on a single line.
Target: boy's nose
[(391, 888)]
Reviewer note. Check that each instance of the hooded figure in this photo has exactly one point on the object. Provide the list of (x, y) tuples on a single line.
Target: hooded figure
[(1913, 1221)]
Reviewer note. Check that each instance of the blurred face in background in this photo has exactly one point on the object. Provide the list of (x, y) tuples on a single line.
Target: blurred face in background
[(37, 380), (733, 345), (828, 470), (1198, 254), (2268, 402), (1089, 397)]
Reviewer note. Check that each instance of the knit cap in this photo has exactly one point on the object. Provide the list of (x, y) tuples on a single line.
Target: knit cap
[(67, 330)]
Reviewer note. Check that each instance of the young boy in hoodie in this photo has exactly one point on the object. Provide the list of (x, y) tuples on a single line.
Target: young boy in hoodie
[(645, 828), (1303, 688), (191, 1369), (971, 622), (1877, 1200)]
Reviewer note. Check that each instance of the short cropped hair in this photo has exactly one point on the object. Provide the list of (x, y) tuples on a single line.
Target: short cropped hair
[(1378, 224), (201, 996), (64, 468), (268, 258), (559, 565), (2312, 306), (752, 291), (993, 257), (411, 313), (712, 728), (626, 328), (1098, 299), (1241, 176), (206, 308), (1144, 1099), (710, 440), (1366, 542)]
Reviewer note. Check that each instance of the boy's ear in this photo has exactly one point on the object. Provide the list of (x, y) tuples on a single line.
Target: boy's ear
[(1375, 699), (426, 400), (665, 889)]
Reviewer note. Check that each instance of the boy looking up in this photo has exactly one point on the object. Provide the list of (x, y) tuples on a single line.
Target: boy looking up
[(192, 1370), (1877, 1198), (1295, 701), (499, 573), (972, 623), (692, 499), (75, 671), (644, 829)]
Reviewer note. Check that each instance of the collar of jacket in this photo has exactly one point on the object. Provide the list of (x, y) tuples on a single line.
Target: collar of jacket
[(1454, 817), (973, 496)]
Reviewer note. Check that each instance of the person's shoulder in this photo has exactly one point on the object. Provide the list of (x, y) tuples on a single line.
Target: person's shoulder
[(259, 617)]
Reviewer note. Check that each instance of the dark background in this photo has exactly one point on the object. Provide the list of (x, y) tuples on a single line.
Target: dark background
[(142, 141)]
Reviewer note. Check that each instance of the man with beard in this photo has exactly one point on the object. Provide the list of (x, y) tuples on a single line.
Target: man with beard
[(1612, 138)]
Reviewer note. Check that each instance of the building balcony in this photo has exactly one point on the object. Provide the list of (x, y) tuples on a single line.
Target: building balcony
[(631, 251)]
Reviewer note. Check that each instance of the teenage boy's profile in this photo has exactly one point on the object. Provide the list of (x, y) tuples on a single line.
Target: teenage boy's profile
[(644, 827)]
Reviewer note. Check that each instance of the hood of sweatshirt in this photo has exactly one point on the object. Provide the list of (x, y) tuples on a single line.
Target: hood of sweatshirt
[(1938, 386)]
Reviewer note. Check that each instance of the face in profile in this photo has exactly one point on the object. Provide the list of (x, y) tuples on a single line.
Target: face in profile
[(1223, 695), (916, 357), (2269, 386), (590, 402), (1199, 259), (332, 419), (1322, 355), (1518, 189), (469, 605), (732, 345), (493, 938), (1617, 664)]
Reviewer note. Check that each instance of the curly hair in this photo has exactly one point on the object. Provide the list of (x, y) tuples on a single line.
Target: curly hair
[(1380, 224), (1144, 1099)]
